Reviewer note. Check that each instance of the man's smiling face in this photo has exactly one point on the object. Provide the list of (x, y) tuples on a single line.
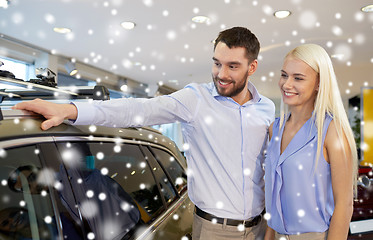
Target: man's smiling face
[(230, 71)]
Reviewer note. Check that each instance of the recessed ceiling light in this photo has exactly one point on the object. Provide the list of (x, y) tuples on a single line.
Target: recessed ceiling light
[(282, 14), (200, 19), (337, 56), (173, 81), (4, 3), (368, 8), (62, 30), (128, 25)]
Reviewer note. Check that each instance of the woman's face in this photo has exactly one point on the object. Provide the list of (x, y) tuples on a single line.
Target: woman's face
[(298, 83)]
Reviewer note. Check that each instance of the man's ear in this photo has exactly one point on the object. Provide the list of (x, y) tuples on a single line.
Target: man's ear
[(252, 67)]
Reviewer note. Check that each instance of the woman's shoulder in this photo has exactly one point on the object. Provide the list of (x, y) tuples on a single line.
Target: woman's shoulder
[(328, 121), (273, 127), (329, 117)]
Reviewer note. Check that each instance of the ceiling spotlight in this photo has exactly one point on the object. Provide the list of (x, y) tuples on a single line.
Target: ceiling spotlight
[(337, 56), (124, 88), (62, 30), (70, 68), (368, 8), (128, 25), (201, 19), (282, 14), (4, 3)]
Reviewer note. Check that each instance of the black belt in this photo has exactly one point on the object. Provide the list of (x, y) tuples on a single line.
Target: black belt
[(232, 222)]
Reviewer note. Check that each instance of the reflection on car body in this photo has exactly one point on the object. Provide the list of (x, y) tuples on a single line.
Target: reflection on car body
[(361, 225)]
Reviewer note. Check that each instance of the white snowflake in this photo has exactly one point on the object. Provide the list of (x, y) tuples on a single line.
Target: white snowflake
[(308, 19), (91, 236), (90, 193), (247, 171), (47, 219), (2, 153), (301, 213), (88, 209), (104, 171), (219, 205), (267, 216), (125, 206), (100, 155)]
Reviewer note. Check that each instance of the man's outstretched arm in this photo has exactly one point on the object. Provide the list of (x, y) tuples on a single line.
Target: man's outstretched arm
[(54, 113)]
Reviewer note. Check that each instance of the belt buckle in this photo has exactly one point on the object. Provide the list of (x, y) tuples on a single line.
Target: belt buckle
[(249, 221)]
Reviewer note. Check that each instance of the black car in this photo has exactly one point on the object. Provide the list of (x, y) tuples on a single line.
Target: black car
[(361, 225)]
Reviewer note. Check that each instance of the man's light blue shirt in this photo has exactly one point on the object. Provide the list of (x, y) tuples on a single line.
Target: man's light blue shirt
[(225, 141)]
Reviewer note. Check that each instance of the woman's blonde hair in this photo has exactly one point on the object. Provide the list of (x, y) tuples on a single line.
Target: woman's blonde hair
[(328, 100)]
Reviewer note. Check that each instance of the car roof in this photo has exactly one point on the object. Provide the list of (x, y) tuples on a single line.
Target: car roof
[(23, 124), (15, 124)]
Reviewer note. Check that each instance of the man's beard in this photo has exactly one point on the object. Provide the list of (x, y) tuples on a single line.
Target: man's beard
[(236, 88)]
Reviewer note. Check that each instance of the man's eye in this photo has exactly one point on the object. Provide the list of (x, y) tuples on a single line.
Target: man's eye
[(284, 75)]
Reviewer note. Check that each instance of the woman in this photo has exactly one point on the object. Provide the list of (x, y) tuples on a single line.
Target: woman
[(311, 163)]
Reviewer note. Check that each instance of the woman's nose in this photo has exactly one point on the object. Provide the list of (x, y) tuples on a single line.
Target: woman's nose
[(288, 84)]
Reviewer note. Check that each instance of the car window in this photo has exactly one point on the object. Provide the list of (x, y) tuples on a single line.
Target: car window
[(167, 189), (172, 167), (26, 210), (124, 164)]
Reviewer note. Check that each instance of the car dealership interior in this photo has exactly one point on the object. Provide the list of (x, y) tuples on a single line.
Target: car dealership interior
[(148, 48)]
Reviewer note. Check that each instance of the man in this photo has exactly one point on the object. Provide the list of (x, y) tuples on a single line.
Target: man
[(224, 123)]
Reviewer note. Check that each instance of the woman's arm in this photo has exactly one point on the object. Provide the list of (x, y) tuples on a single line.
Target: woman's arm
[(270, 131), (337, 152), (270, 234)]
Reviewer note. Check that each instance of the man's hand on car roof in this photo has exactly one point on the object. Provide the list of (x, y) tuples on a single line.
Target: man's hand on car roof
[(54, 113)]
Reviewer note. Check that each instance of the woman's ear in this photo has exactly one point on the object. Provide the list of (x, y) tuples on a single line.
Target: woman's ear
[(318, 84)]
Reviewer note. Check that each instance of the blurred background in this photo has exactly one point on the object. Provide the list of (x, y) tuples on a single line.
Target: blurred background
[(146, 48)]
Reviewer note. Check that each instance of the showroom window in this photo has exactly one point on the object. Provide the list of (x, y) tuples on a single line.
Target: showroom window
[(18, 68)]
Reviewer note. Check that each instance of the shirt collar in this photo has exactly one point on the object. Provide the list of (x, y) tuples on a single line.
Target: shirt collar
[(250, 87)]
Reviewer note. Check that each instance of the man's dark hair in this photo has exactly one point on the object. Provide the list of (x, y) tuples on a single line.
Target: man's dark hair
[(240, 37)]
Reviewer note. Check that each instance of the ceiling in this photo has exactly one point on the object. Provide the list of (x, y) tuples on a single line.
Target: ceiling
[(174, 51)]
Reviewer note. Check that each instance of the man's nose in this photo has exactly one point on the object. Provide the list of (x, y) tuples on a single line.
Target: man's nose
[(223, 73)]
